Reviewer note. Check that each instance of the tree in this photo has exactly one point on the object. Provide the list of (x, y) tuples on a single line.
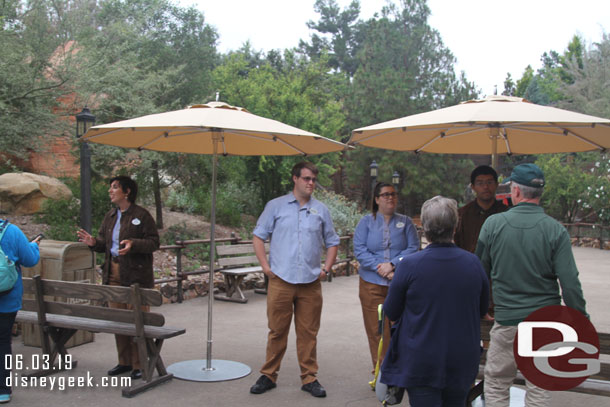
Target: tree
[(339, 33), (524, 82), (150, 57), (509, 86), (288, 88), (404, 68), (576, 186), (34, 73), (588, 91)]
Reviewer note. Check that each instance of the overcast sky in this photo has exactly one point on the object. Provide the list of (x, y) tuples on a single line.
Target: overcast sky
[(488, 37)]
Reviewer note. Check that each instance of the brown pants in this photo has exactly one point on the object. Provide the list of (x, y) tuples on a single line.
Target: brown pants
[(371, 295), (305, 302), (125, 346)]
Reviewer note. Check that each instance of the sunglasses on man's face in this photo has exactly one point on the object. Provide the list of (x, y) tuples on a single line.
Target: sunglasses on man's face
[(309, 179), (388, 195)]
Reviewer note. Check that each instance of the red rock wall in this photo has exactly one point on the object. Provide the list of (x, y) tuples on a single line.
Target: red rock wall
[(57, 161)]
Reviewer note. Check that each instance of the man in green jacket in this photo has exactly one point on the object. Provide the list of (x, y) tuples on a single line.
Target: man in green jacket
[(528, 256)]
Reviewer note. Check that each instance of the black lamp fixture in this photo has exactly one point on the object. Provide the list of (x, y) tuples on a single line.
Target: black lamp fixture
[(374, 168), (395, 180), (84, 120), (373, 172)]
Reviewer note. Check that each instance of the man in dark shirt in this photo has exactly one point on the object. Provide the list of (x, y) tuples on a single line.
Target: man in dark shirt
[(484, 182)]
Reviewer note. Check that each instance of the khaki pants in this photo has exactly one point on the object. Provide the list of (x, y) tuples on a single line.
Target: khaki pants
[(501, 369), (305, 302), (371, 295), (126, 347)]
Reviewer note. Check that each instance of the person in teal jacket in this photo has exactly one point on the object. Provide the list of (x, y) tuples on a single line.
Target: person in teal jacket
[(23, 253), (528, 257)]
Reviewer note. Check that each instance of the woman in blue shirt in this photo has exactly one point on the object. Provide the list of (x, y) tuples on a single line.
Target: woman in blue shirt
[(23, 253), (382, 238)]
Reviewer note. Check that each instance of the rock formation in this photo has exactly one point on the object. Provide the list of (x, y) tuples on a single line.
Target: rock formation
[(24, 193)]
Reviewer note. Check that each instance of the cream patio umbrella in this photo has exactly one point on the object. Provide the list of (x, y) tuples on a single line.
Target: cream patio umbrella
[(212, 128), (494, 125)]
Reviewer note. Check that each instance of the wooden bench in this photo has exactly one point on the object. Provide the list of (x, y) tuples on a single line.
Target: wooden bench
[(58, 321), (345, 243), (598, 384), (236, 261)]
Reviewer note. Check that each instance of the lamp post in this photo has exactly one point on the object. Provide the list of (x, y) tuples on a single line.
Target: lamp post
[(373, 172), (84, 120), (396, 180)]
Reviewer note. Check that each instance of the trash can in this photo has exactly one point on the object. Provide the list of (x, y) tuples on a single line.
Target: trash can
[(64, 261)]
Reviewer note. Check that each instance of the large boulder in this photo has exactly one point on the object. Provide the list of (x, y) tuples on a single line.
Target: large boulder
[(24, 193)]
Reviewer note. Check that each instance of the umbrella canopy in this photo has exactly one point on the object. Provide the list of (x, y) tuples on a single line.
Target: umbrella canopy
[(494, 125), (212, 128), (191, 130)]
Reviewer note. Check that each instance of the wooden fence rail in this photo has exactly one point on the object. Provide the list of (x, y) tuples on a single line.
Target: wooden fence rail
[(180, 245), (592, 230)]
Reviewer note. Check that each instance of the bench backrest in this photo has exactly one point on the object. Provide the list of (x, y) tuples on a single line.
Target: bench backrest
[(75, 299), (604, 349), (237, 255)]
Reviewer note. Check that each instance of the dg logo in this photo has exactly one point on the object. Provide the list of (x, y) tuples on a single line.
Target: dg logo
[(557, 348)]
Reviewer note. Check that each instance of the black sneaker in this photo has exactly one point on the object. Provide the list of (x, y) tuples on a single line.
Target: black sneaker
[(119, 369), (262, 385), (315, 388)]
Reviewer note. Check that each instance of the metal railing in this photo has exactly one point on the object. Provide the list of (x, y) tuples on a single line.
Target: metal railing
[(589, 230), (345, 247)]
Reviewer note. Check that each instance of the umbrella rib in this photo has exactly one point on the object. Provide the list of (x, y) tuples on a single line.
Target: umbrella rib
[(224, 146), (428, 143), (372, 136), (581, 138), (143, 146), (290, 145), (415, 129), (101, 134), (505, 137), (443, 135), (461, 133), (565, 132)]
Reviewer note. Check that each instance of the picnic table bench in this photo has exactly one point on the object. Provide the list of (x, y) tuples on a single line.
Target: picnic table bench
[(236, 261), (598, 384), (58, 321)]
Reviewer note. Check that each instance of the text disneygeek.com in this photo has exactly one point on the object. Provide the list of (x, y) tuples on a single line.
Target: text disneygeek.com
[(61, 382), (63, 363)]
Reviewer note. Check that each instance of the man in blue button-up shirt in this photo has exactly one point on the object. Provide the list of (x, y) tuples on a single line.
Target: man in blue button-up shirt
[(298, 226)]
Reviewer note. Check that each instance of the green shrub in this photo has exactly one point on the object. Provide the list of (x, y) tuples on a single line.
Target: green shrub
[(232, 200), (345, 213), (194, 256), (179, 232), (63, 216)]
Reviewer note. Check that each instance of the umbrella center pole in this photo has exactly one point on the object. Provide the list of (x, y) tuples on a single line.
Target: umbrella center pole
[(216, 136), (495, 133)]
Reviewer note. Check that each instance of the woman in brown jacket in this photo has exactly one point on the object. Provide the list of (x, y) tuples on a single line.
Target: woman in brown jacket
[(128, 236)]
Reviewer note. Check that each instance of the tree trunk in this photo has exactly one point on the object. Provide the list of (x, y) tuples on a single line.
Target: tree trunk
[(157, 193)]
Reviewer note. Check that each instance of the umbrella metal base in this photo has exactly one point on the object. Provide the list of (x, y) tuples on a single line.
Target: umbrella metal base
[(221, 370)]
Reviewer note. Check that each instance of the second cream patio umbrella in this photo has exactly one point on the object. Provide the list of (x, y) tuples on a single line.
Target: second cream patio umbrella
[(212, 128), (494, 125)]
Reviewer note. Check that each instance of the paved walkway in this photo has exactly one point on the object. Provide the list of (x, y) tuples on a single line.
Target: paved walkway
[(239, 333)]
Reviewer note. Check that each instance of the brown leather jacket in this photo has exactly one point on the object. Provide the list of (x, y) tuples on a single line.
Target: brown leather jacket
[(138, 226)]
